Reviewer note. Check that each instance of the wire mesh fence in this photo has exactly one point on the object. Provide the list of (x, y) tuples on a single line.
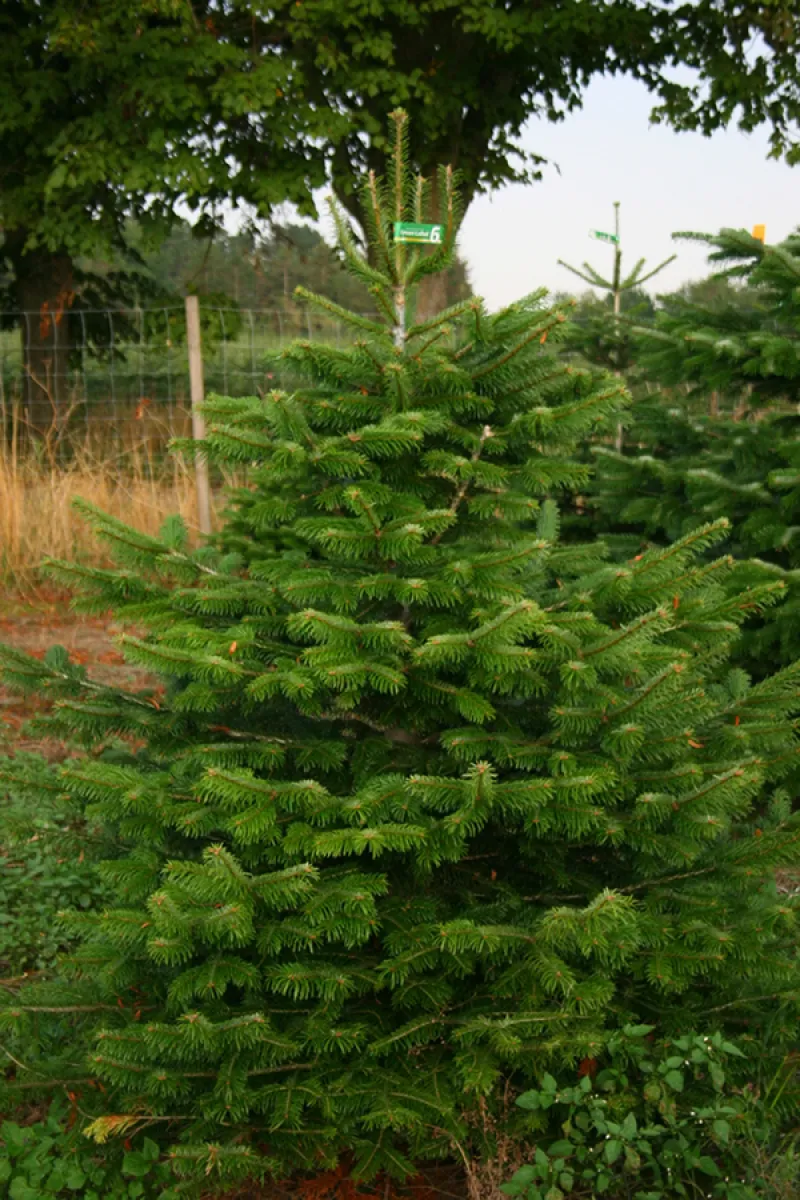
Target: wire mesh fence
[(120, 377)]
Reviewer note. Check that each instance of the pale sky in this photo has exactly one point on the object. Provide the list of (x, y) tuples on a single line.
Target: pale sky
[(664, 181)]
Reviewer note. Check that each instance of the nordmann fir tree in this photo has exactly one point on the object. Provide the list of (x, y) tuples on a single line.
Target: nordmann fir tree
[(719, 436), (431, 801)]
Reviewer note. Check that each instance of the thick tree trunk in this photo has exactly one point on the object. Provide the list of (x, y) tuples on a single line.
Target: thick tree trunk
[(432, 291), (431, 296), (44, 294)]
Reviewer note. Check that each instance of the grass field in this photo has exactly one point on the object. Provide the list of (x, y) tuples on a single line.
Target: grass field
[(126, 396)]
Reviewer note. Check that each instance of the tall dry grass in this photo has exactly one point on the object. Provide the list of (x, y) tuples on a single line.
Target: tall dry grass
[(133, 479)]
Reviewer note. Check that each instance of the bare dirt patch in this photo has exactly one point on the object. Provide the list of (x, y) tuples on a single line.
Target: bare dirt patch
[(34, 624)]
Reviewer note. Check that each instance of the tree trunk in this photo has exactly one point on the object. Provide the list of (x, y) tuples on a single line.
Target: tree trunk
[(431, 296), (432, 291), (45, 293)]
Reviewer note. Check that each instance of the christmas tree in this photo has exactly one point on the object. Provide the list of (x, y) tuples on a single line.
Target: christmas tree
[(717, 436), (600, 340), (429, 800)]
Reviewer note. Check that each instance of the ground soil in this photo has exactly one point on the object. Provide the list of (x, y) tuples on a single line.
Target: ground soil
[(36, 622)]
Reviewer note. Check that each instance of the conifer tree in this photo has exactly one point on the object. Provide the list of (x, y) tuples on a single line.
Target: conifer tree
[(431, 800), (719, 436), (600, 340)]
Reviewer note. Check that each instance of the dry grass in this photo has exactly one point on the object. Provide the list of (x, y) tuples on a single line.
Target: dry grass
[(133, 480)]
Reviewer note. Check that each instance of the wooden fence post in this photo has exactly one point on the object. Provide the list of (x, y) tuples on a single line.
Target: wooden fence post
[(198, 421)]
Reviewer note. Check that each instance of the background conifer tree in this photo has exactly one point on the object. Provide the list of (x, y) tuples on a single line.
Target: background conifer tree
[(432, 801), (719, 435)]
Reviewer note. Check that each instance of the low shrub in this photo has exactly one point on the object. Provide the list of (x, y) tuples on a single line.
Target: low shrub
[(46, 868), (48, 1159), (662, 1119)]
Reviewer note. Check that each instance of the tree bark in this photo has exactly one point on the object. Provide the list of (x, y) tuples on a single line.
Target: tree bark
[(431, 296), (45, 291), (432, 290)]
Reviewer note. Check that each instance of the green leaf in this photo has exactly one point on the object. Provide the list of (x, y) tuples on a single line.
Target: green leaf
[(57, 1178), (135, 1163), (562, 1149), (20, 1189), (633, 1160), (549, 1084), (723, 1130), (150, 1150), (13, 1137), (57, 176), (708, 1166), (717, 1076), (612, 1150), (75, 1178), (528, 1100), (629, 1126), (674, 1079)]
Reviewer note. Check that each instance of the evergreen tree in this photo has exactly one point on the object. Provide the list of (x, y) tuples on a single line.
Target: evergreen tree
[(431, 800), (596, 337), (602, 341), (720, 435)]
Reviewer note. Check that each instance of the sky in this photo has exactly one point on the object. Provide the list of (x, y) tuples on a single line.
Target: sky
[(665, 182)]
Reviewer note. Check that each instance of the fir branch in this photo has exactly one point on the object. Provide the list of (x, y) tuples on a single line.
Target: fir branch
[(370, 353), (383, 301), (588, 275), (791, 993), (392, 734), (644, 278), (344, 314), (693, 575), (377, 219), (446, 314), (537, 332), (626, 632), (658, 681), (455, 504), (358, 265), (445, 331), (65, 1008), (115, 531), (699, 537), (400, 119)]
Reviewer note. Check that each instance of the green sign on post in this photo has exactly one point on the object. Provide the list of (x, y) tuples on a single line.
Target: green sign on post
[(604, 237), (421, 235)]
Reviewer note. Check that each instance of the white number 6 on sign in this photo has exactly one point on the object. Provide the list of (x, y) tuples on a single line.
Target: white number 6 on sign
[(436, 236)]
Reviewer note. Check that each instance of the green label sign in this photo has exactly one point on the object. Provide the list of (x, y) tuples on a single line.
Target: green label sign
[(604, 237), (421, 235)]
